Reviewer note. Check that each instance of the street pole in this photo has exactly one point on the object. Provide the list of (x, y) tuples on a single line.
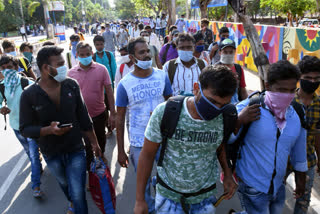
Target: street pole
[(22, 17), (45, 11), (187, 9)]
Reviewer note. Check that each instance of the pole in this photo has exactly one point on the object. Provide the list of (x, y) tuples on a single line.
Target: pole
[(226, 16), (46, 17), (187, 10), (22, 17)]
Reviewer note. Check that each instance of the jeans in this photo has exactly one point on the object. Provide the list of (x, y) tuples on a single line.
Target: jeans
[(163, 32), (255, 202), (70, 172), (134, 157), (167, 206), (31, 148), (302, 204)]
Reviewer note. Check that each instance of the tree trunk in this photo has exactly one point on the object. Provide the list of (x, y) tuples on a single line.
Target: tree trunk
[(204, 8), (260, 58), (45, 11), (187, 9), (22, 17)]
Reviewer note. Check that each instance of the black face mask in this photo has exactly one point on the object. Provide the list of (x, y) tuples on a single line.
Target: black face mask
[(308, 86)]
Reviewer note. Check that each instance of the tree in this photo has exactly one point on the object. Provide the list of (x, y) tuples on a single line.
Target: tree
[(203, 8), (126, 9), (291, 8)]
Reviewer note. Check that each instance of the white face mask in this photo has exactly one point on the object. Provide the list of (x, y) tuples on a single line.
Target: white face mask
[(227, 59), (124, 59), (147, 38), (144, 64)]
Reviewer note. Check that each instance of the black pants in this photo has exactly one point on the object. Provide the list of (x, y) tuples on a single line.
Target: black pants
[(99, 128), (23, 35)]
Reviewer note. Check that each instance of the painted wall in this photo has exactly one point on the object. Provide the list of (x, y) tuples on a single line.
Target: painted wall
[(279, 42)]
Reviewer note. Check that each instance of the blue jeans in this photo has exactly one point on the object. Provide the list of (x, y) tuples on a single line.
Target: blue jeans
[(31, 148), (168, 206), (255, 202), (70, 172), (163, 32), (134, 157), (302, 204)]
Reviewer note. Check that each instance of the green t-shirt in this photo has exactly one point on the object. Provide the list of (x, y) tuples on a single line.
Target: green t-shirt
[(190, 161)]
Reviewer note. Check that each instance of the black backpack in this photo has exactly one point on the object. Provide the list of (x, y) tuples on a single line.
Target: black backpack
[(168, 126), (24, 84)]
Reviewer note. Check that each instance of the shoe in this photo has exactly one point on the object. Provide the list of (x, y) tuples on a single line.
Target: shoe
[(37, 193)]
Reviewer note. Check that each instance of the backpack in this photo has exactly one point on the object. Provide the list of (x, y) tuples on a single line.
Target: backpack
[(24, 84), (168, 126), (172, 68), (233, 150)]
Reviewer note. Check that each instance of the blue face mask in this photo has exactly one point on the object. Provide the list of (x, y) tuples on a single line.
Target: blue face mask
[(85, 61), (206, 109), (13, 53), (100, 51), (185, 56), (200, 48), (74, 43), (61, 73), (144, 64)]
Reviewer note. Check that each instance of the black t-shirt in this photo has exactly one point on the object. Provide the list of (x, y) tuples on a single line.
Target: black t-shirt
[(24, 68), (37, 111)]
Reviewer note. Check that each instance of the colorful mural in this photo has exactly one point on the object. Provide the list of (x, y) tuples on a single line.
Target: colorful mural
[(278, 42)]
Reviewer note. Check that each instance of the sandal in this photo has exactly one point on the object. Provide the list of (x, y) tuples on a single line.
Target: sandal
[(37, 193), (70, 209)]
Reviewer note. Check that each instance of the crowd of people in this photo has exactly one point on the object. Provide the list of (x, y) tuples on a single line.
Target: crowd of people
[(184, 103)]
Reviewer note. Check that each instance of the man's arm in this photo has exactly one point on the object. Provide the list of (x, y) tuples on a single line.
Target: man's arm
[(122, 156), (113, 66), (110, 97), (31, 73), (145, 164), (91, 135), (158, 62), (243, 94)]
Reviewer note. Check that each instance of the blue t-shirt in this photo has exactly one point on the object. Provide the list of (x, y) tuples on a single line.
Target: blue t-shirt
[(105, 61), (141, 96)]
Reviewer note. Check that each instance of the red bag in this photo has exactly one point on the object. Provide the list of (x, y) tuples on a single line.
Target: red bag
[(102, 187)]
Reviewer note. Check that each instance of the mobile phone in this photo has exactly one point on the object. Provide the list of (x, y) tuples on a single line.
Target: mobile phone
[(64, 125)]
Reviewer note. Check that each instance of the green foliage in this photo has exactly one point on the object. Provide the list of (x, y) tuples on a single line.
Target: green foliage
[(218, 13), (32, 7), (126, 9), (11, 19)]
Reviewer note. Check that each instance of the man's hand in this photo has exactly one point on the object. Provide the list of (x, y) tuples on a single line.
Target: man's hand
[(112, 120), (215, 47), (141, 207), (55, 130), (5, 110), (249, 114), (300, 178), (123, 159), (229, 186), (96, 150)]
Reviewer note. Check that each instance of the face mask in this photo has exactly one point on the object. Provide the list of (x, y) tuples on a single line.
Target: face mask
[(28, 55), (144, 64), (11, 80), (308, 86), (100, 51), (227, 59), (185, 56), (206, 109), (278, 103), (146, 38), (74, 44), (13, 53), (85, 61), (200, 48), (124, 59), (61, 73)]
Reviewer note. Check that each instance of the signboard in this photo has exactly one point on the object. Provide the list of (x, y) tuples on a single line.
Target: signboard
[(213, 3), (56, 6)]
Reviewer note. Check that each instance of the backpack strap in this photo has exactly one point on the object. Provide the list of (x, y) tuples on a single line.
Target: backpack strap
[(69, 60), (109, 58), (121, 69), (301, 113), (24, 82), (164, 56), (21, 59), (169, 122), (172, 67), (201, 64)]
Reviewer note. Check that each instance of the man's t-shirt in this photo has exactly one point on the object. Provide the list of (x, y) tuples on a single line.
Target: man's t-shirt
[(141, 96), (190, 161), (154, 52)]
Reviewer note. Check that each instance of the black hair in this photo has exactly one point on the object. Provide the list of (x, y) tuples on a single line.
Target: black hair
[(205, 21), (47, 43), (172, 27), (75, 36), (144, 31), (45, 53), (185, 37), (147, 27), (83, 45), (197, 37), (103, 27), (7, 44), (140, 26), (309, 64), (124, 48), (133, 42), (282, 70), (223, 30), (5, 59), (25, 45), (219, 79), (98, 38)]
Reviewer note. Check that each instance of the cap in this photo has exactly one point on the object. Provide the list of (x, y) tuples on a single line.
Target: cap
[(227, 43), (174, 32)]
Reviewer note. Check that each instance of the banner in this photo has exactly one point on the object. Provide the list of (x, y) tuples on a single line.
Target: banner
[(214, 3), (56, 6)]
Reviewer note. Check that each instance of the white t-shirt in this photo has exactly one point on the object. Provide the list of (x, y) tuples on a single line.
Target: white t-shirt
[(119, 75), (184, 77), (22, 30)]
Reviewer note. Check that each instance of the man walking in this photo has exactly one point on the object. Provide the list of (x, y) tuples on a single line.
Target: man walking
[(181, 23), (23, 33), (169, 50), (52, 110), (110, 40), (139, 92)]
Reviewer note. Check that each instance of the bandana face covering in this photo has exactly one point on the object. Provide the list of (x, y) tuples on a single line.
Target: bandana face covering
[(11, 80)]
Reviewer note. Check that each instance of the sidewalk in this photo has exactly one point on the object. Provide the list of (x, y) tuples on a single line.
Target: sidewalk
[(253, 84)]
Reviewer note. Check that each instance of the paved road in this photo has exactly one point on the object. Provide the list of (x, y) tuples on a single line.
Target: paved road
[(15, 187)]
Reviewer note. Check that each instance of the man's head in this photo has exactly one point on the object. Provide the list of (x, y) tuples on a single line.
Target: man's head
[(172, 28), (84, 53), (9, 62), (282, 77), (9, 47), (48, 43), (148, 29), (185, 45), (310, 73), (98, 42), (124, 59), (26, 47), (124, 51), (74, 38), (218, 84), (182, 16), (174, 35), (227, 50), (103, 28), (140, 26), (224, 33), (107, 26), (139, 50), (204, 24), (50, 58), (145, 34), (199, 42)]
